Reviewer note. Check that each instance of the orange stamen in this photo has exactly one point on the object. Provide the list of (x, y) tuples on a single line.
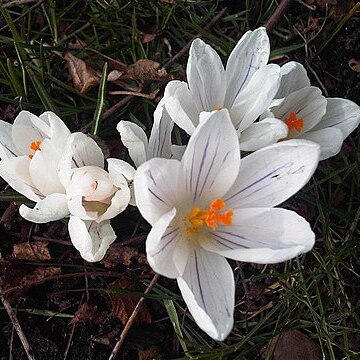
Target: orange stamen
[(35, 145), (293, 122), (218, 108), (211, 218)]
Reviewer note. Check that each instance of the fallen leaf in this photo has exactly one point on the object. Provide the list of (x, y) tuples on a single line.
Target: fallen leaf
[(123, 305), (122, 255), (145, 69), (146, 38), (36, 250), (293, 345), (83, 76), (38, 274), (89, 312), (355, 66), (150, 353)]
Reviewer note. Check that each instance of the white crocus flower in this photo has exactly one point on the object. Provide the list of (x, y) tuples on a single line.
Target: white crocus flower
[(203, 209), (94, 195), (30, 150), (159, 144), (309, 115), (246, 88)]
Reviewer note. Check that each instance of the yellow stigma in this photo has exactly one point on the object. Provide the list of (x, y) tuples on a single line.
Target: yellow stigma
[(218, 108), (34, 145), (293, 122), (211, 217)]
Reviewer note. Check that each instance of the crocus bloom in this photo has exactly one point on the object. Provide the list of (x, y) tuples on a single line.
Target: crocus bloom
[(159, 143), (94, 195), (203, 209), (30, 151), (246, 88), (309, 115)]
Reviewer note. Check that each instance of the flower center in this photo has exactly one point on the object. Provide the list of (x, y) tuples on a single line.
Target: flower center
[(211, 217), (294, 123), (218, 108), (34, 145)]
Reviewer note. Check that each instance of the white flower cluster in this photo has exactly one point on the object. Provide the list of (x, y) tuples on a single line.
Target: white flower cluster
[(203, 202)]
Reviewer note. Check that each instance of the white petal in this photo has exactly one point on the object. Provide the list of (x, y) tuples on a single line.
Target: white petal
[(341, 114), (251, 52), (181, 106), (329, 139), (15, 171), (205, 75), (293, 77), (264, 236), (77, 209), (207, 287), (161, 244), (212, 158), (51, 208), (26, 129), (307, 103), (44, 169), (256, 97), (134, 139), (7, 148), (118, 204), (90, 238), (120, 172), (58, 130), (158, 186), (160, 137), (177, 151), (263, 133), (271, 175), (81, 150)]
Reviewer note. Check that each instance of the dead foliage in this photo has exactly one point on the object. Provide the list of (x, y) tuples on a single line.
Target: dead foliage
[(122, 255), (123, 305), (293, 345), (36, 250), (89, 312), (355, 66), (150, 353)]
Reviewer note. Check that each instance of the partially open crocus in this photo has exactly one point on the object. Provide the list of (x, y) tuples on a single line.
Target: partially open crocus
[(245, 88), (94, 195), (30, 151), (203, 209), (309, 115)]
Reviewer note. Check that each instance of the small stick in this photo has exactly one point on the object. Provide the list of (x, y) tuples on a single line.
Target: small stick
[(131, 319), (16, 324), (277, 15)]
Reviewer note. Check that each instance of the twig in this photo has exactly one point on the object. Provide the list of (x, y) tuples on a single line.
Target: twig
[(277, 15), (16, 324), (184, 50), (131, 319)]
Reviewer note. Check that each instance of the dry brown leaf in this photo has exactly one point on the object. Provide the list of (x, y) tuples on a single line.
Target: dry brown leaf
[(150, 353), (89, 312), (146, 38), (293, 345), (36, 250), (39, 273), (123, 305), (145, 69), (122, 255), (83, 76), (355, 66)]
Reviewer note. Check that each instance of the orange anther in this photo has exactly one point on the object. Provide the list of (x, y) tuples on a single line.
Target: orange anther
[(293, 122), (35, 145)]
